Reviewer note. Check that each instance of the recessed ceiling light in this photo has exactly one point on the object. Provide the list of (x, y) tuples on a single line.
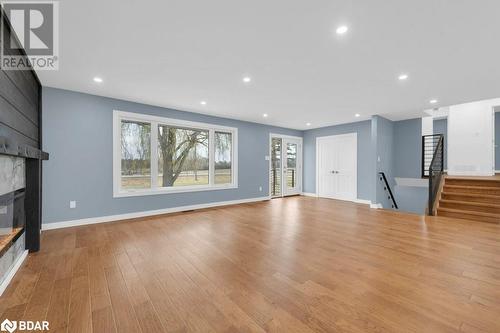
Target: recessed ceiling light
[(433, 101), (308, 124), (203, 103), (357, 115), (342, 30), (97, 79), (403, 77), (247, 79), (264, 115)]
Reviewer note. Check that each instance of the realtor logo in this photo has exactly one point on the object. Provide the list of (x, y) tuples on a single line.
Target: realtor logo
[(36, 26), (8, 326)]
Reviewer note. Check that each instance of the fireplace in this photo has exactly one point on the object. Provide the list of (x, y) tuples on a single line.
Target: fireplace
[(12, 193), (21, 159)]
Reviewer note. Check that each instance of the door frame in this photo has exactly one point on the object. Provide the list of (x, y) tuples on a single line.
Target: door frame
[(301, 156), (320, 138)]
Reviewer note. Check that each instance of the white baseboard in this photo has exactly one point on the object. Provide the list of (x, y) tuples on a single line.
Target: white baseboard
[(111, 218), (13, 271), (360, 201), (376, 206)]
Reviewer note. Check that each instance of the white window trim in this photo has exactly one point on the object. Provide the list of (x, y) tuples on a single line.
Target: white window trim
[(118, 116)]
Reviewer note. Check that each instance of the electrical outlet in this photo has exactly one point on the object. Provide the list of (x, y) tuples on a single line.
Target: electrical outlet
[(267, 158), (72, 204)]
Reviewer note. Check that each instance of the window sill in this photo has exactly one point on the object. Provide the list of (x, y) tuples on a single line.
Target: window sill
[(161, 191)]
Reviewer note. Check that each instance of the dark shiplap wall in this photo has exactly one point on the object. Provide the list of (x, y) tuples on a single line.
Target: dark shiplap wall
[(20, 123), (19, 104)]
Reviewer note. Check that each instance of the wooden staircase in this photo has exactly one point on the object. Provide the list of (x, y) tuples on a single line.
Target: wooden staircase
[(471, 198)]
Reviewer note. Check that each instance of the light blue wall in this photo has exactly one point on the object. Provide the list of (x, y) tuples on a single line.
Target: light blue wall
[(78, 135), (383, 140), (408, 164), (365, 156), (440, 126), (77, 132), (412, 199), (408, 148)]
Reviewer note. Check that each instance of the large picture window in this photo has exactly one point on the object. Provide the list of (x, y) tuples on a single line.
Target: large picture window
[(154, 155)]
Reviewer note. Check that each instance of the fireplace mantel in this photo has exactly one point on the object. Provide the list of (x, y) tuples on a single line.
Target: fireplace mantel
[(11, 148)]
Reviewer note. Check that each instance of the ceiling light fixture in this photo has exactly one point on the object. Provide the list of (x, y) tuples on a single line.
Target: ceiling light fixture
[(342, 30), (247, 79), (357, 115), (264, 115), (308, 124), (403, 77), (433, 101), (203, 103), (97, 79)]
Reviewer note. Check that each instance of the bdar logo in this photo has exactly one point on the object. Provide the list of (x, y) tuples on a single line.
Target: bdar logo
[(23, 325), (9, 326)]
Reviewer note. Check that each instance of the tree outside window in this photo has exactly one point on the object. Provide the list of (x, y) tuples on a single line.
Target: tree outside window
[(183, 156)]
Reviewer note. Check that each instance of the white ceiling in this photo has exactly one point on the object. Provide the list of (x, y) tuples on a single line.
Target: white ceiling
[(178, 53)]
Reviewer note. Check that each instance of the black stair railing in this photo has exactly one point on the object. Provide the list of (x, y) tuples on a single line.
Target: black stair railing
[(387, 188), (436, 172), (429, 145)]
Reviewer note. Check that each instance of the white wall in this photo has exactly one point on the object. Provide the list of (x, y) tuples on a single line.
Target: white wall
[(471, 138), (427, 125)]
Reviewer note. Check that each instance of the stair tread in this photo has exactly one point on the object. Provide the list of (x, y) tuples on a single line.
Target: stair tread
[(475, 182), (473, 195), (461, 202), (478, 178), (471, 187), (468, 212)]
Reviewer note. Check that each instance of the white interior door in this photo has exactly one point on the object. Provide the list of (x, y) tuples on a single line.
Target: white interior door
[(336, 174), (292, 166)]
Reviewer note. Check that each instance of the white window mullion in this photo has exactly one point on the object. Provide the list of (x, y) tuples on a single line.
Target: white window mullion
[(154, 155), (234, 157), (117, 155), (211, 157)]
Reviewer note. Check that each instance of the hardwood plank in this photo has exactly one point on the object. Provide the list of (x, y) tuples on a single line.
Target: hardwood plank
[(102, 312), (58, 311), (79, 307), (125, 318), (39, 301), (296, 265)]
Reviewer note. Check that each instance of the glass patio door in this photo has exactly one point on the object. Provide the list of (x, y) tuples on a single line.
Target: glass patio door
[(292, 169), (286, 166), (276, 169)]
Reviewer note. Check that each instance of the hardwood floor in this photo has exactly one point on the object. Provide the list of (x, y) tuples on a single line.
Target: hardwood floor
[(292, 265)]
